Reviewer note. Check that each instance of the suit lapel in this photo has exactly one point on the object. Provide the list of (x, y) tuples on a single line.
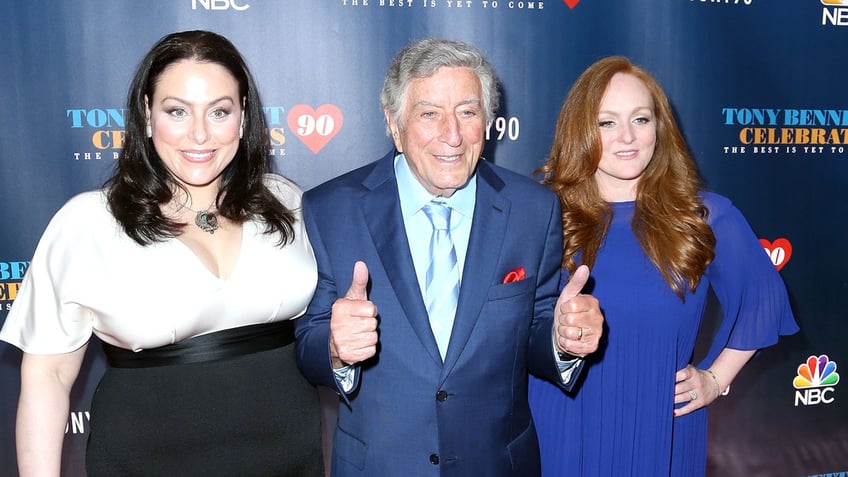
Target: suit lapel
[(382, 213), (491, 213)]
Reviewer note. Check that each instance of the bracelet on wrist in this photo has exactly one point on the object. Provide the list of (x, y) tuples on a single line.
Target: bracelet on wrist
[(719, 391)]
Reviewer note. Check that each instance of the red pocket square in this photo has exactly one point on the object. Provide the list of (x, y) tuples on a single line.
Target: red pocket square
[(514, 275)]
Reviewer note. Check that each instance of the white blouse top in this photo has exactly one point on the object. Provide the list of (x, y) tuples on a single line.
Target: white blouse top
[(88, 276)]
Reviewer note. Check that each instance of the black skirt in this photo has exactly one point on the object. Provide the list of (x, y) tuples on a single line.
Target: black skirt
[(251, 415)]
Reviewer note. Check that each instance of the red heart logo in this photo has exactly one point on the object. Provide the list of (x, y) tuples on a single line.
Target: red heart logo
[(778, 251), (315, 127), (571, 3)]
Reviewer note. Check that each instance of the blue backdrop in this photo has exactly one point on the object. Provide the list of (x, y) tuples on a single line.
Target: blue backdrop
[(758, 87)]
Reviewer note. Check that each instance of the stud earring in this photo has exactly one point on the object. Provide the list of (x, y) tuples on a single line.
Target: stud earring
[(149, 131)]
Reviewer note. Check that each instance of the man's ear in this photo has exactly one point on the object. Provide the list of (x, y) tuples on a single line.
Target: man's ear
[(394, 129)]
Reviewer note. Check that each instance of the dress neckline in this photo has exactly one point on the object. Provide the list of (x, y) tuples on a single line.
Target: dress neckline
[(622, 212)]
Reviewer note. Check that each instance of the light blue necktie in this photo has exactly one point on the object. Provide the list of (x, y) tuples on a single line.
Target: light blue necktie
[(442, 282)]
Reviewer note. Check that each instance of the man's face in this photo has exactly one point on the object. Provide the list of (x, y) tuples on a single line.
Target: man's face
[(443, 129)]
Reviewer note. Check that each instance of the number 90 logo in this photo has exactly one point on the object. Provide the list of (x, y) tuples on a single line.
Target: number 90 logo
[(504, 127)]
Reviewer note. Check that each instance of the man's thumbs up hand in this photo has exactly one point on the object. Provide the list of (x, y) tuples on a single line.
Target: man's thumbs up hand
[(353, 323), (578, 321)]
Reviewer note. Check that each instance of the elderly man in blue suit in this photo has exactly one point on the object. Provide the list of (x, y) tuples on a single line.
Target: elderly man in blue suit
[(428, 332)]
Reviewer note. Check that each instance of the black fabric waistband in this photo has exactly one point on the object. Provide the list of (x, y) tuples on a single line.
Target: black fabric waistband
[(209, 347)]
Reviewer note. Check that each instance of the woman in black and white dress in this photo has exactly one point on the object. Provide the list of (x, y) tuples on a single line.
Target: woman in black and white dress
[(189, 266)]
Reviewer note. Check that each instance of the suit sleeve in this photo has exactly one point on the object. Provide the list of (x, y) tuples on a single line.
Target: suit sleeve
[(312, 331), (542, 360)]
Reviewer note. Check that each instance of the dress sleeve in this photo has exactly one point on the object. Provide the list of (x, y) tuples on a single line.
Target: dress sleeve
[(752, 294), (285, 191), (44, 318), (291, 196)]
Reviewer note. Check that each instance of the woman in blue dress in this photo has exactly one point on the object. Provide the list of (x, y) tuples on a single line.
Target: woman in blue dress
[(635, 212)]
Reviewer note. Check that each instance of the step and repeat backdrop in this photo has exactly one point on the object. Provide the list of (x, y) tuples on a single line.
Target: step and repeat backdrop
[(759, 88)]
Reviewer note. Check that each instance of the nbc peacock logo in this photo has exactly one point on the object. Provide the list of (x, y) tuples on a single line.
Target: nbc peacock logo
[(815, 381)]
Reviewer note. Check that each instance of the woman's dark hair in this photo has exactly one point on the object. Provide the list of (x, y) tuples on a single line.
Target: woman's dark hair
[(141, 183)]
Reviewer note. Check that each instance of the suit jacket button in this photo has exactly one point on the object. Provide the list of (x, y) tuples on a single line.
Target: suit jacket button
[(442, 396), (434, 459)]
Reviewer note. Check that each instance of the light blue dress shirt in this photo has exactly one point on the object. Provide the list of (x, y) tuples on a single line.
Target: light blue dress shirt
[(413, 197)]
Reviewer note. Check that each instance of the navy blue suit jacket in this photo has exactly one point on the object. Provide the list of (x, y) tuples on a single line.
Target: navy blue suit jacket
[(410, 414)]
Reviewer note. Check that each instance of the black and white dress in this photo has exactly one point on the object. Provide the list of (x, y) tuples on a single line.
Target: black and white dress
[(252, 414)]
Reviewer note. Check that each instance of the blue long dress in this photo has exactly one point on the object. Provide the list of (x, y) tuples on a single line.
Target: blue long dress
[(619, 422)]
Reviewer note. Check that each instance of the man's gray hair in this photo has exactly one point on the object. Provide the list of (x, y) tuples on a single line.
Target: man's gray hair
[(421, 59)]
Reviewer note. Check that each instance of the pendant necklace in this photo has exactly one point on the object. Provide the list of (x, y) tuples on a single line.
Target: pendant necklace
[(206, 220)]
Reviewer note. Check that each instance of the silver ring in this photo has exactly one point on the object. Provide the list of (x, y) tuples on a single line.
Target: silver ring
[(693, 395), (579, 333)]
